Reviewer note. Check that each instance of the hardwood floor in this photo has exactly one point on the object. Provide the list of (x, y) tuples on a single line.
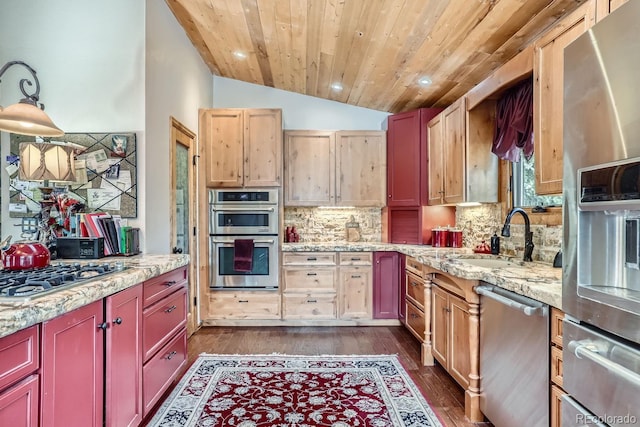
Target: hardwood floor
[(444, 395)]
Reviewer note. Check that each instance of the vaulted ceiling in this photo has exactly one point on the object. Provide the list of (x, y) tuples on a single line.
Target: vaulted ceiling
[(375, 50)]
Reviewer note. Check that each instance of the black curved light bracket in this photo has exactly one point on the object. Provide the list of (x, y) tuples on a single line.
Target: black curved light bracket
[(30, 98)]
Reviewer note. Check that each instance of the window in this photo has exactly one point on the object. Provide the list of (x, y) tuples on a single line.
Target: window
[(524, 186)]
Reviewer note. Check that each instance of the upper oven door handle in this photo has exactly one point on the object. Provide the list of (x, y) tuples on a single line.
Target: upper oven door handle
[(230, 242), (248, 210)]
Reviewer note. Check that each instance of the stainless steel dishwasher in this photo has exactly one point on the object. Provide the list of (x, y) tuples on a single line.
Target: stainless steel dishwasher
[(514, 358)]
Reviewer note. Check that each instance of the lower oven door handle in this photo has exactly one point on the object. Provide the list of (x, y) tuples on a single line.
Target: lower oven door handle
[(589, 350), (487, 291), (230, 242)]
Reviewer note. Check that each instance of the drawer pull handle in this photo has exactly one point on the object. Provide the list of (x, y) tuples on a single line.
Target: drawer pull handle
[(170, 355), (312, 274), (243, 300), (355, 276), (170, 309), (170, 283), (312, 258), (312, 300), (414, 284), (414, 316), (355, 259)]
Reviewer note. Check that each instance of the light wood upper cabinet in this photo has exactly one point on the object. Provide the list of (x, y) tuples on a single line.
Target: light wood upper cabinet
[(325, 168), (361, 168), (548, 73), (447, 142), (605, 7), (309, 168), (243, 148)]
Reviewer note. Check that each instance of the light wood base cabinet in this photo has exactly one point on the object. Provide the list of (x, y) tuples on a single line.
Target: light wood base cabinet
[(557, 316), (418, 307), (238, 305), (455, 332)]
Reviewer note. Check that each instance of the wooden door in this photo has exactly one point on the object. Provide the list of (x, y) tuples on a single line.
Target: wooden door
[(262, 147), (123, 391), (221, 132), (454, 141), (72, 374), (435, 132), (403, 157), (459, 359), (386, 285), (361, 168), (355, 293), (309, 169), (184, 209), (439, 325), (548, 89)]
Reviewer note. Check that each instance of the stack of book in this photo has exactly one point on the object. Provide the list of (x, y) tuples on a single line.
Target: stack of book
[(119, 238)]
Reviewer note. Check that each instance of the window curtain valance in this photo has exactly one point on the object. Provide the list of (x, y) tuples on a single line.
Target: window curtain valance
[(514, 123)]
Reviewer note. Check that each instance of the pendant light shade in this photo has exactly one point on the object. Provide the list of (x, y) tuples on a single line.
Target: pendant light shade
[(41, 161), (26, 119)]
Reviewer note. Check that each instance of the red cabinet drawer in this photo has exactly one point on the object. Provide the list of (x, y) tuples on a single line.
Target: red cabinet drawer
[(157, 288), (159, 372), (162, 320), (19, 405), (19, 355)]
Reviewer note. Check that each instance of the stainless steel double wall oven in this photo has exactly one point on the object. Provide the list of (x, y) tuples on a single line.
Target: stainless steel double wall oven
[(243, 214), (601, 271)]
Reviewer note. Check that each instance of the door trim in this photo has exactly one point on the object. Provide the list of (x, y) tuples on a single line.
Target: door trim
[(180, 134)]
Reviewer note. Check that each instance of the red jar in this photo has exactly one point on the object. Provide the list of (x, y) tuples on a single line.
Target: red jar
[(439, 237), (455, 238)]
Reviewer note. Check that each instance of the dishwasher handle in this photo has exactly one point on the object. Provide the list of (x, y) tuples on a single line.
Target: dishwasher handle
[(488, 291)]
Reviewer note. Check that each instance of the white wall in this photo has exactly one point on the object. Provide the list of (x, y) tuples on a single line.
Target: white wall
[(89, 58), (298, 111), (177, 84)]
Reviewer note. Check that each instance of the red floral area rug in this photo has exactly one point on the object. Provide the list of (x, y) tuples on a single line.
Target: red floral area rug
[(295, 391)]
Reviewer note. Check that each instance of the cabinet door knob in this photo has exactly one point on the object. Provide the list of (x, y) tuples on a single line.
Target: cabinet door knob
[(103, 326), (118, 321)]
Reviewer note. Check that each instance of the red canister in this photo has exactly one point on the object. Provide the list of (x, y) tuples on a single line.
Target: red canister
[(439, 236), (455, 238)]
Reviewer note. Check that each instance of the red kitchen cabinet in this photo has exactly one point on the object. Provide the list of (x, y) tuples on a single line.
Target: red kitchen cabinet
[(73, 368), (164, 340), (19, 404), (123, 398), (19, 381), (386, 285), (407, 160), (402, 299)]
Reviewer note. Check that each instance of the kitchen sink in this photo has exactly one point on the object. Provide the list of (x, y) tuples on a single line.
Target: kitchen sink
[(493, 262)]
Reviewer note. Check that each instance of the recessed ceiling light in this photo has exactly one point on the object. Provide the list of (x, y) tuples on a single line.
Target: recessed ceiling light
[(239, 54), (424, 81), (336, 86)]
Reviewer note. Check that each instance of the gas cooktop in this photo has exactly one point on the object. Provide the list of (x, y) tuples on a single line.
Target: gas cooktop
[(24, 285)]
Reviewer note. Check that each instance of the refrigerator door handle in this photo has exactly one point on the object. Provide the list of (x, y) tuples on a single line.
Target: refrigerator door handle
[(587, 349), (488, 292)]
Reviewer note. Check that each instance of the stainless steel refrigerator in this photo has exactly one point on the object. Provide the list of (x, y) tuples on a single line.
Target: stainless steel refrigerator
[(601, 243)]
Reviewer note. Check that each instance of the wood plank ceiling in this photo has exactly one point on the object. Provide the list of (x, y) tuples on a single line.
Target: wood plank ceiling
[(377, 50)]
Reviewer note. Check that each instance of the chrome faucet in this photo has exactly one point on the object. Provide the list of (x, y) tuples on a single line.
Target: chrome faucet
[(528, 234)]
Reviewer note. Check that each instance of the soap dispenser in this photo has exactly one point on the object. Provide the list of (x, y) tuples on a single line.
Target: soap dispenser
[(495, 244)]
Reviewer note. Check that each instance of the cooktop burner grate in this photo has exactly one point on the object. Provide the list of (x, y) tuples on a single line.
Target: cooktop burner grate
[(25, 284)]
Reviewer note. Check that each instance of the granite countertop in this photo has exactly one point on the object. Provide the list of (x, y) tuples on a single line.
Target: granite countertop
[(19, 314), (535, 280)]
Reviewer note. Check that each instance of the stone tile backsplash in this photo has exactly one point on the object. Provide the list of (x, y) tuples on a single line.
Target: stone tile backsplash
[(480, 222), (333, 224)]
